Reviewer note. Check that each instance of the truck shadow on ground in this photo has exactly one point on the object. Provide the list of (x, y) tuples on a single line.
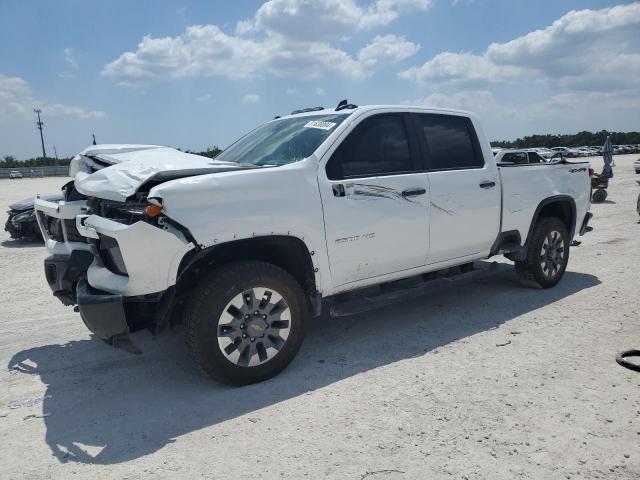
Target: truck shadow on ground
[(110, 407), (21, 243)]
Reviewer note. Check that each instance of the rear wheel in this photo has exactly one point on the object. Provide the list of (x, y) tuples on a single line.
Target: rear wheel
[(547, 255), (245, 322)]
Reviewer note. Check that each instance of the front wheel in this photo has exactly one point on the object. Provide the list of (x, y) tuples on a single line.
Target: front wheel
[(245, 322), (547, 255)]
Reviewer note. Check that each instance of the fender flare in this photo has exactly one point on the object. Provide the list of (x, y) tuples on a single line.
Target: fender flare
[(549, 201), (204, 250)]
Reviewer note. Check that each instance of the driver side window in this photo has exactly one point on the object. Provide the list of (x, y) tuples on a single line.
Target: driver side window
[(377, 146)]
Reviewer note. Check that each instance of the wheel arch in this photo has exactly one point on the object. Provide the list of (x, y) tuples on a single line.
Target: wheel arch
[(562, 207), (285, 251)]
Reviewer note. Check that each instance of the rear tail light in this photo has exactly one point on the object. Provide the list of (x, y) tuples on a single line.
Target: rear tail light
[(592, 172)]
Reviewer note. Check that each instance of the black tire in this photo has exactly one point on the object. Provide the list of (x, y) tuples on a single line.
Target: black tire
[(599, 196), (531, 271), (206, 306)]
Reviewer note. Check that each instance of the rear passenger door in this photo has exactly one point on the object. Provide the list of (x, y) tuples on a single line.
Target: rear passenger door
[(465, 191), (375, 199)]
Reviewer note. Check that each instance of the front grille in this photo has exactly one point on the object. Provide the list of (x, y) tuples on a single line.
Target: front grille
[(73, 235), (53, 226)]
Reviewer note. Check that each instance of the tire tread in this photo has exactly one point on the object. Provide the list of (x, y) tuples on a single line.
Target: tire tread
[(528, 271)]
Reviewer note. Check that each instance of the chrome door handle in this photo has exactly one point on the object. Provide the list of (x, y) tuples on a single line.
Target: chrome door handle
[(487, 184)]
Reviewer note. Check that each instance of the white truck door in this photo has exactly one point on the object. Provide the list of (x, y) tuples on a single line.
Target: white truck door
[(465, 190), (375, 201)]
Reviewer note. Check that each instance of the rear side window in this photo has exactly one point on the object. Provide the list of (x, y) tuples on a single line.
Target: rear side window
[(451, 142), (377, 146)]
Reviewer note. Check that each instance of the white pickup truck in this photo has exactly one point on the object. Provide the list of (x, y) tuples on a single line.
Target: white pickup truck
[(243, 249)]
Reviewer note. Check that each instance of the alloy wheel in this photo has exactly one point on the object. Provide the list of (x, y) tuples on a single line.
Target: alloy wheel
[(254, 326)]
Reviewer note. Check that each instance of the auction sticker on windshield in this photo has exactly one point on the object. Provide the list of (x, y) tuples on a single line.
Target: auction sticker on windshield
[(320, 125)]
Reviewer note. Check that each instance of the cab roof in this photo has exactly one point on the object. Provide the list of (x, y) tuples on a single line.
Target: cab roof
[(314, 111)]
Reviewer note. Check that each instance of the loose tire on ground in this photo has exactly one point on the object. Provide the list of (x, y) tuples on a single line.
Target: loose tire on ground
[(220, 310), (547, 255)]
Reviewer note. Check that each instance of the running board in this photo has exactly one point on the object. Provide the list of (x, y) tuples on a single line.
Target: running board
[(367, 301)]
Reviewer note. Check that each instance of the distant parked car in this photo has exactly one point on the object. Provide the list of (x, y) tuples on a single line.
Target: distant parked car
[(22, 221), (619, 150), (545, 152), (519, 157), (636, 166), (566, 152), (15, 174)]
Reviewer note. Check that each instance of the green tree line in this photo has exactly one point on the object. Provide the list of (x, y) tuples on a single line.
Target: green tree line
[(9, 161), (579, 139)]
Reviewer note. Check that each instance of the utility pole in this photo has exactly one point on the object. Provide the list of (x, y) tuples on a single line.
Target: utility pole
[(55, 152), (94, 138), (39, 124)]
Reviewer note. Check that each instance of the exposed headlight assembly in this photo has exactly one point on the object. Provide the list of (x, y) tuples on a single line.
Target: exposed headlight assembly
[(28, 216)]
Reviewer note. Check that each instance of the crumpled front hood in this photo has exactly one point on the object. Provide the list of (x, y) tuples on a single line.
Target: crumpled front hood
[(115, 172)]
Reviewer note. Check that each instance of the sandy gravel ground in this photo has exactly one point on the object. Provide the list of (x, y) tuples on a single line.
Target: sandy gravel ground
[(413, 391)]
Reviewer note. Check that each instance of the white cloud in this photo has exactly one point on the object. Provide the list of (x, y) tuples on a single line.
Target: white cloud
[(592, 100), (329, 19), (16, 99), (472, 100), (201, 50), (72, 64), (204, 98), (318, 20), (319, 91), (460, 67), (207, 51), (572, 39), (251, 98), (383, 12), (293, 91), (386, 49), (69, 57), (288, 38), (583, 49)]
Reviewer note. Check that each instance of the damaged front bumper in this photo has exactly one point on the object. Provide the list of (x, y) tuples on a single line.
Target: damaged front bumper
[(103, 313), (121, 276)]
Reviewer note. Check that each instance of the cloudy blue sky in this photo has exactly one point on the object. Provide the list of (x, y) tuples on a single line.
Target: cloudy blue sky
[(192, 74)]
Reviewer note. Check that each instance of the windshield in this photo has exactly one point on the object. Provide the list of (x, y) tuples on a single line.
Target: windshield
[(282, 141)]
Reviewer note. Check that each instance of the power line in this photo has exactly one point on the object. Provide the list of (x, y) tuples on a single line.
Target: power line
[(39, 125)]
